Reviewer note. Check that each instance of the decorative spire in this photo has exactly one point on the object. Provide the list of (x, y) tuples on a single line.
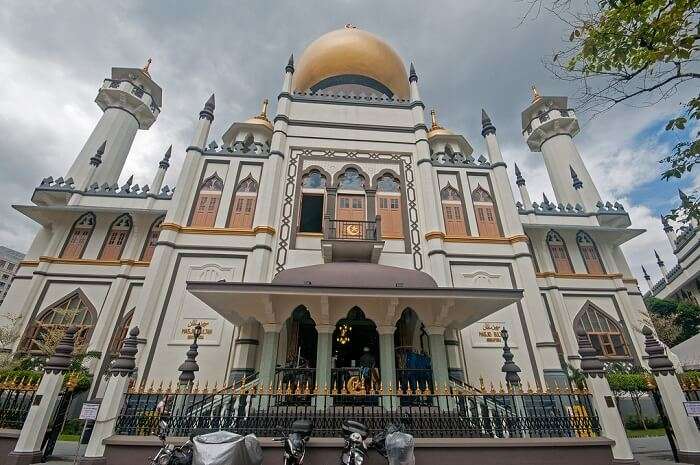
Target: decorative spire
[(590, 363), (646, 275), (433, 119), (62, 357), (188, 368), (165, 162), (574, 177), (263, 110), (519, 180), (667, 226), (487, 126), (535, 94), (146, 66), (125, 363), (412, 76), (509, 367), (658, 258), (208, 110), (290, 64), (659, 362), (96, 159)]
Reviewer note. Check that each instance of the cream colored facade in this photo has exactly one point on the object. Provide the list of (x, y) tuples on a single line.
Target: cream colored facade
[(346, 117)]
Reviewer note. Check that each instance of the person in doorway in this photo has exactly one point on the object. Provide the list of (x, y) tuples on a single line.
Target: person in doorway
[(367, 367)]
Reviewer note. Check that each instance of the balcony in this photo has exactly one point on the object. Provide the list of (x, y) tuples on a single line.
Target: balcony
[(351, 240)]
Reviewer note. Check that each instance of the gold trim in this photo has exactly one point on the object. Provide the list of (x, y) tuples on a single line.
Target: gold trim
[(89, 261), (630, 281), (264, 229), (309, 234), (392, 237), (28, 263), (487, 240), (211, 231), (434, 235), (548, 274)]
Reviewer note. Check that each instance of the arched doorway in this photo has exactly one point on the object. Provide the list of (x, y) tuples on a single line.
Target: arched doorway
[(299, 365), (413, 362), (355, 352)]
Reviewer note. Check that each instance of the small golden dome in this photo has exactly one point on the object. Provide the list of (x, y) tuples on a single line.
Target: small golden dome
[(435, 128), (261, 118), (351, 52)]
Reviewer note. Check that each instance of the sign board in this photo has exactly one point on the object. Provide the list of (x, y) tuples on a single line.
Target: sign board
[(488, 334), (89, 411), (692, 408)]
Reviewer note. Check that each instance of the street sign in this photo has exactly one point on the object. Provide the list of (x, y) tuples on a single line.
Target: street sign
[(89, 411), (692, 408)]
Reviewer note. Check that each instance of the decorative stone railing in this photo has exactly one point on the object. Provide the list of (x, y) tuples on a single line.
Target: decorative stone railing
[(127, 190), (360, 97), (458, 159)]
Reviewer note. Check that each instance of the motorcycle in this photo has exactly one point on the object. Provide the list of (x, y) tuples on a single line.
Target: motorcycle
[(295, 442), (168, 453), (357, 443), (395, 445)]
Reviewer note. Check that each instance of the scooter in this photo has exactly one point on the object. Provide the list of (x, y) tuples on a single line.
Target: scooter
[(357, 442), (168, 453), (295, 442), (395, 445)]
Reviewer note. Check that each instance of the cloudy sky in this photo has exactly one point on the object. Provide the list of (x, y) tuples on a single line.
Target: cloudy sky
[(469, 55)]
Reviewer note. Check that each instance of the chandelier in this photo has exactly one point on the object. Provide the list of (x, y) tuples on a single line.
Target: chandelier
[(343, 334)]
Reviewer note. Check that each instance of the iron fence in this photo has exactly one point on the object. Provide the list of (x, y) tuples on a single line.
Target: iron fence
[(449, 412), (351, 230), (692, 393), (16, 397)]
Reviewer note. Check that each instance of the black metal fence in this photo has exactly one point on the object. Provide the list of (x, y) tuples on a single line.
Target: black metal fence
[(692, 393), (447, 413), (16, 397), (351, 230)]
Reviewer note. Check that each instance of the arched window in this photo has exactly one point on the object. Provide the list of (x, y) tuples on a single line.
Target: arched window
[(603, 332), (244, 204), (43, 334), (79, 236), (589, 252), (389, 206), (313, 190), (351, 207), (116, 238), (559, 254), (207, 204), (120, 333), (485, 213), (151, 240), (453, 212), (351, 180)]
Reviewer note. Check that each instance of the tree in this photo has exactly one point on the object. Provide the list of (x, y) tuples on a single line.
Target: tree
[(9, 333), (674, 320), (629, 381), (635, 51)]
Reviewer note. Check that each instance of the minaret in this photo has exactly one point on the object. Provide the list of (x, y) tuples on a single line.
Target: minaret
[(647, 278), (660, 263), (130, 101), (549, 127), (524, 194), (670, 232), (163, 166)]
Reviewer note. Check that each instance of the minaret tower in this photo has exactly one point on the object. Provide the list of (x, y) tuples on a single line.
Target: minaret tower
[(549, 127), (130, 101)]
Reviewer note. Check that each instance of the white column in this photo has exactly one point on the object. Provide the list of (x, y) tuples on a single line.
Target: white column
[(387, 364), (246, 346), (324, 348), (268, 357), (111, 407)]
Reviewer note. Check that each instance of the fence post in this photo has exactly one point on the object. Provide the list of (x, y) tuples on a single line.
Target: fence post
[(602, 399), (672, 396), (28, 447), (119, 376)]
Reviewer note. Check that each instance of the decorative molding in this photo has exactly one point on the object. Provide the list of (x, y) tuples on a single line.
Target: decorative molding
[(85, 261), (264, 229), (552, 274), (212, 231), (487, 240), (434, 235)]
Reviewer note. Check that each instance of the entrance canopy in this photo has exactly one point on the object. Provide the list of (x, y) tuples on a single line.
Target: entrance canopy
[(329, 291)]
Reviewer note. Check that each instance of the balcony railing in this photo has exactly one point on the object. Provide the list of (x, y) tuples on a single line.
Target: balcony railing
[(352, 230)]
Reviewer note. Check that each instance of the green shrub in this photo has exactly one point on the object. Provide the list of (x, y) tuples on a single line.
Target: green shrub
[(633, 422)]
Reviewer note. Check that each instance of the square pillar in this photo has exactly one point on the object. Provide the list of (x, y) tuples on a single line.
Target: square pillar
[(324, 347), (438, 357), (246, 348), (387, 363), (268, 357)]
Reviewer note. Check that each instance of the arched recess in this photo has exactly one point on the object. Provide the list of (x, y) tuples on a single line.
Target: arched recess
[(453, 212), (531, 249), (605, 333), (151, 240), (389, 205), (79, 236), (116, 238), (73, 310), (300, 354), (413, 362), (244, 201), (312, 201), (351, 202), (120, 333), (352, 335), (207, 203), (559, 253), (589, 253), (485, 209)]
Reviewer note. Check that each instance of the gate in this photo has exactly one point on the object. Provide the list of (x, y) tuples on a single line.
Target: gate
[(57, 421)]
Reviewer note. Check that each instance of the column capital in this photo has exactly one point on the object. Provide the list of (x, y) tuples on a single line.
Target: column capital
[(435, 330), (325, 329), (659, 363), (386, 329), (272, 327)]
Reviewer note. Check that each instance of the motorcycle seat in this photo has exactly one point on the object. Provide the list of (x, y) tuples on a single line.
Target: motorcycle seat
[(350, 426), (302, 426)]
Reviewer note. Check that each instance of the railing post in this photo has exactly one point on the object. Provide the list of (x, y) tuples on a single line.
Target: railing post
[(28, 447), (268, 358), (120, 374), (684, 429), (327, 227), (603, 400), (378, 228)]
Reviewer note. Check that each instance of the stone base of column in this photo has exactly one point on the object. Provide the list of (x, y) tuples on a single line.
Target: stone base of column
[(624, 462), (23, 458), (92, 461), (689, 457)]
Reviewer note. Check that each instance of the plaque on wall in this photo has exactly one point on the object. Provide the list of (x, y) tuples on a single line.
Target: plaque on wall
[(187, 331), (488, 334)]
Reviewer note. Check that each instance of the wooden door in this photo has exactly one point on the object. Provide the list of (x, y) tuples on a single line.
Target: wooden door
[(351, 208), (560, 259), (243, 212), (206, 209), (389, 209), (591, 259), (454, 219), (486, 220), (114, 244), (76, 243)]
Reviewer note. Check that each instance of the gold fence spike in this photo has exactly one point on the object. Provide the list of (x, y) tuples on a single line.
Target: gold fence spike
[(325, 390), (529, 388), (297, 390), (307, 390), (481, 382), (491, 387), (500, 387), (390, 388), (206, 387), (334, 391), (150, 389)]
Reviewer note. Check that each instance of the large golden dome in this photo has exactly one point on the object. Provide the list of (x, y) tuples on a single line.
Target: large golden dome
[(351, 56)]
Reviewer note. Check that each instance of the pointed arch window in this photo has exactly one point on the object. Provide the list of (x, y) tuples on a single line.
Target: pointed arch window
[(603, 332), (559, 254), (589, 252), (351, 179), (79, 236), (120, 333), (453, 212), (116, 238), (207, 204), (151, 240), (74, 310), (313, 185), (389, 206), (244, 200), (485, 213)]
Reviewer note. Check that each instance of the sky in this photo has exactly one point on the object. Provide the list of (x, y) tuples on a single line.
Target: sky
[(468, 54)]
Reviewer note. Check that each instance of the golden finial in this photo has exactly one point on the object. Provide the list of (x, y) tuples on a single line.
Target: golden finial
[(434, 121), (263, 110), (500, 387), (529, 388), (146, 66), (535, 94), (391, 390)]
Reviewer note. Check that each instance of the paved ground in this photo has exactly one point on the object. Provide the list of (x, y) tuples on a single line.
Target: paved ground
[(64, 453), (652, 451)]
